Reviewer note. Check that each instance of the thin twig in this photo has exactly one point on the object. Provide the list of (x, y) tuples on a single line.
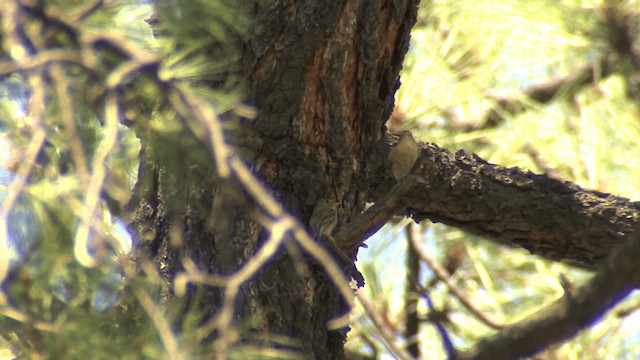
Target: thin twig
[(444, 276), (446, 339), (161, 323), (96, 182), (386, 334), (67, 114), (412, 323)]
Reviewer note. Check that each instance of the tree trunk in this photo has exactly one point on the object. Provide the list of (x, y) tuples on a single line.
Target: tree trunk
[(323, 76)]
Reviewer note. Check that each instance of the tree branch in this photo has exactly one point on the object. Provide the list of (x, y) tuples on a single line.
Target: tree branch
[(569, 314), (411, 321), (554, 219), (444, 276), (543, 93), (387, 335), (353, 234)]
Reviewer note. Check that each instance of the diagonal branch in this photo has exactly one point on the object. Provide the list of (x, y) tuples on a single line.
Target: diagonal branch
[(543, 93), (444, 276), (387, 335), (352, 235), (554, 219), (569, 314)]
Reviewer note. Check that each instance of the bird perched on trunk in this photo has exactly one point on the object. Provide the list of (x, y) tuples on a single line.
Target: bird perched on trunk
[(323, 222), (403, 155), (324, 218)]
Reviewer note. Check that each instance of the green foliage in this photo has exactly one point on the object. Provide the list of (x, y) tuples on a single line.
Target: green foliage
[(72, 125), (61, 300)]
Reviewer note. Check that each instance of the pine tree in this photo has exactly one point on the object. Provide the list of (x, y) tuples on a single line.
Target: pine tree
[(211, 130)]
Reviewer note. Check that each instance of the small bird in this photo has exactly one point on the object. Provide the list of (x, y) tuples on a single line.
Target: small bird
[(323, 222), (403, 155), (324, 218)]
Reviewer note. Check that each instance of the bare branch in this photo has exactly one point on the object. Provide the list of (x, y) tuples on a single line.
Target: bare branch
[(352, 235), (385, 333), (570, 84), (412, 323), (569, 314), (446, 339), (554, 219), (444, 276)]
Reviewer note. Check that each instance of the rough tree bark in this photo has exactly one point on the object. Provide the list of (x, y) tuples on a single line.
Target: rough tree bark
[(323, 76)]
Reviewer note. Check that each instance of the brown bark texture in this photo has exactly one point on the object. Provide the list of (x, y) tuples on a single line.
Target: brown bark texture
[(322, 75), (555, 219)]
